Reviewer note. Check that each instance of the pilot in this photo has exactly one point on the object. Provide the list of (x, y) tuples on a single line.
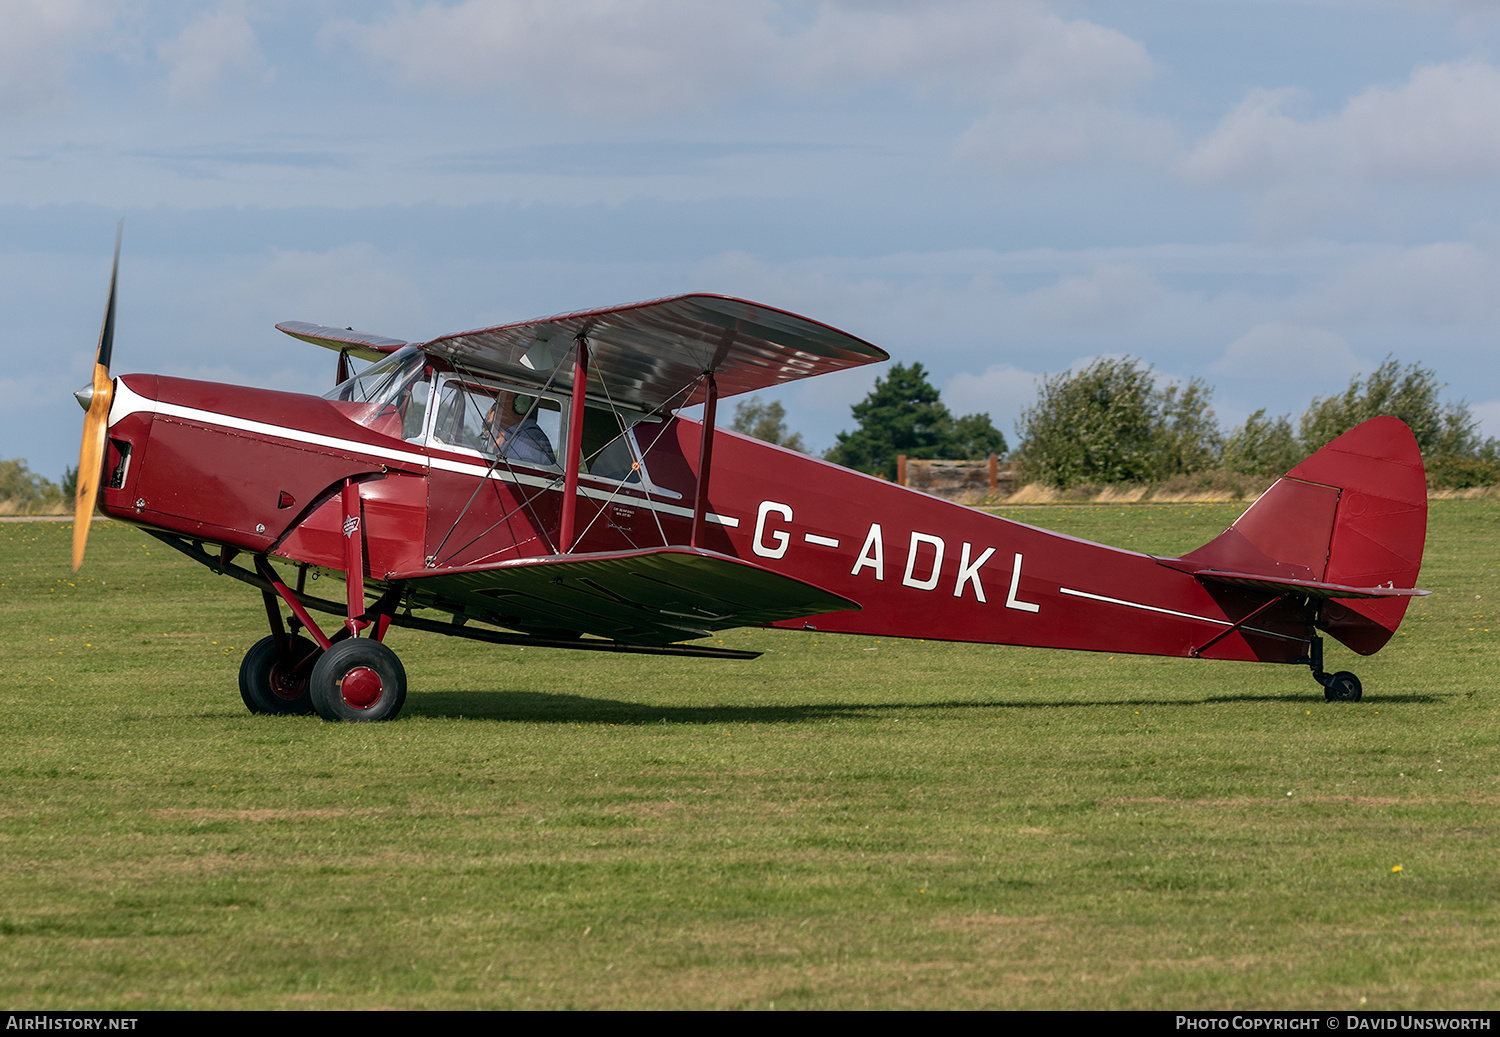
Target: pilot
[(516, 433)]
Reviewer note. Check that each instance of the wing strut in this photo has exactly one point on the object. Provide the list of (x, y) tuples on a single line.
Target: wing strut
[(705, 457), (574, 458)]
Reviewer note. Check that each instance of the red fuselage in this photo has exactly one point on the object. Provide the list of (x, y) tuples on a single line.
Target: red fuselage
[(260, 471)]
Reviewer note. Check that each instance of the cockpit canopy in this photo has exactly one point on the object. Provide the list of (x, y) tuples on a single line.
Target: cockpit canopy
[(479, 414), (390, 396)]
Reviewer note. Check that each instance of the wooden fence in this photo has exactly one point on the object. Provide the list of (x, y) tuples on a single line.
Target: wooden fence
[(967, 482)]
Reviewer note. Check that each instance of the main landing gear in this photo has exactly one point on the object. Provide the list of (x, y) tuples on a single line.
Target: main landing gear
[(273, 681), (358, 679), (355, 679), (343, 677), (1342, 686)]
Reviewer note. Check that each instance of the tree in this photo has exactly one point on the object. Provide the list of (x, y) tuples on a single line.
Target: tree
[(766, 422), (1448, 434), (1188, 438), (1110, 423), (1262, 447), (975, 437), (904, 414), (21, 486), (1411, 395)]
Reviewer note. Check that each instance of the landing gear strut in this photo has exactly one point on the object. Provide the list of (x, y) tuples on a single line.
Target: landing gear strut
[(1342, 686), (343, 676)]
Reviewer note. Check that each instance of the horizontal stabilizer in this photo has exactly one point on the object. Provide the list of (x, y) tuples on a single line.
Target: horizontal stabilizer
[(1306, 588), (358, 343), (654, 596)]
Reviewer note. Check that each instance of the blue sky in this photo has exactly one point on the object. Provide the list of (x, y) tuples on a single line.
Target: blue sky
[(1271, 196)]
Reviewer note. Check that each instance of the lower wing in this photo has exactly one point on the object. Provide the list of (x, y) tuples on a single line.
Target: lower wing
[(639, 597)]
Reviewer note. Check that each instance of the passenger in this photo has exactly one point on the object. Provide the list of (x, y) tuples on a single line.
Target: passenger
[(516, 435)]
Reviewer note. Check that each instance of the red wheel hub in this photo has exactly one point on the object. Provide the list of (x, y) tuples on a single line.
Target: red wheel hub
[(361, 687), (284, 686)]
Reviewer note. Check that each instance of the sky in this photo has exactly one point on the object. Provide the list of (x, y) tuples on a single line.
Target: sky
[(1272, 196)]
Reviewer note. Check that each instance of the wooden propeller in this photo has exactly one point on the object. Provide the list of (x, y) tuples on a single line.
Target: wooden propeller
[(96, 397)]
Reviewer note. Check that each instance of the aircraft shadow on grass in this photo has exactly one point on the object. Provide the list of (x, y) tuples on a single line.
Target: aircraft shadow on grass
[(550, 708)]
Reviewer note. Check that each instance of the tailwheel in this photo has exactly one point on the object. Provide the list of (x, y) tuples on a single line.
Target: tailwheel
[(1337, 687), (269, 684), (359, 680), (1342, 687)]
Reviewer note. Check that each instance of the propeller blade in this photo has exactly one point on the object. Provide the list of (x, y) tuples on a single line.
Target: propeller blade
[(96, 421)]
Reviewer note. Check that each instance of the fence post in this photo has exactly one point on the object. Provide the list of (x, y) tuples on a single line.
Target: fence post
[(901, 469), (994, 474)]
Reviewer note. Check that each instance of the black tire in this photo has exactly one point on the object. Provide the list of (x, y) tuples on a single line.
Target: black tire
[(1343, 687), (358, 680), (266, 687)]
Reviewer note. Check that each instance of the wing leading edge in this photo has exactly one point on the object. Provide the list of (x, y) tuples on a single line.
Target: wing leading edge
[(363, 344), (639, 597)]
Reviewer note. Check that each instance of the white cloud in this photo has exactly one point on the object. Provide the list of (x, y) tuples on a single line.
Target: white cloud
[(1256, 143), (40, 41), (1002, 391), (1444, 283), (1048, 90), (596, 59), (349, 285), (1287, 353), (1442, 125), (978, 50), (1053, 91), (1030, 139), (1109, 294), (209, 50)]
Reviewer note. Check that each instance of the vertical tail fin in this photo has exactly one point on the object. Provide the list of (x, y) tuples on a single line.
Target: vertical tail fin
[(1354, 514)]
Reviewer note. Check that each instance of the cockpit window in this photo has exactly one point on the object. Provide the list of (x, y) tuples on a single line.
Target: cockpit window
[(606, 449), (390, 397), (498, 420)]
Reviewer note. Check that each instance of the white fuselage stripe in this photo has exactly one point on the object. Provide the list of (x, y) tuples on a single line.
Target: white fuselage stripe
[(127, 402), (1148, 608)]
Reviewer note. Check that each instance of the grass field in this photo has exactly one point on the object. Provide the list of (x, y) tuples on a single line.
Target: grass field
[(844, 822)]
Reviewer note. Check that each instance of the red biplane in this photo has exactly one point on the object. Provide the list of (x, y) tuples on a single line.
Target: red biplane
[(538, 483)]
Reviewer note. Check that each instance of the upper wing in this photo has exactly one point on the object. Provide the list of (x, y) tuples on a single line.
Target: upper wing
[(653, 596), (651, 355), (358, 343)]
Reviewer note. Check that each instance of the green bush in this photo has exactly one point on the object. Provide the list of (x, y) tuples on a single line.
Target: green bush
[(1262, 446), (1111, 423), (21, 489), (1449, 472)]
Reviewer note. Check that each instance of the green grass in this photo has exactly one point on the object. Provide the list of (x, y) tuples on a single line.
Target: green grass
[(845, 822)]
